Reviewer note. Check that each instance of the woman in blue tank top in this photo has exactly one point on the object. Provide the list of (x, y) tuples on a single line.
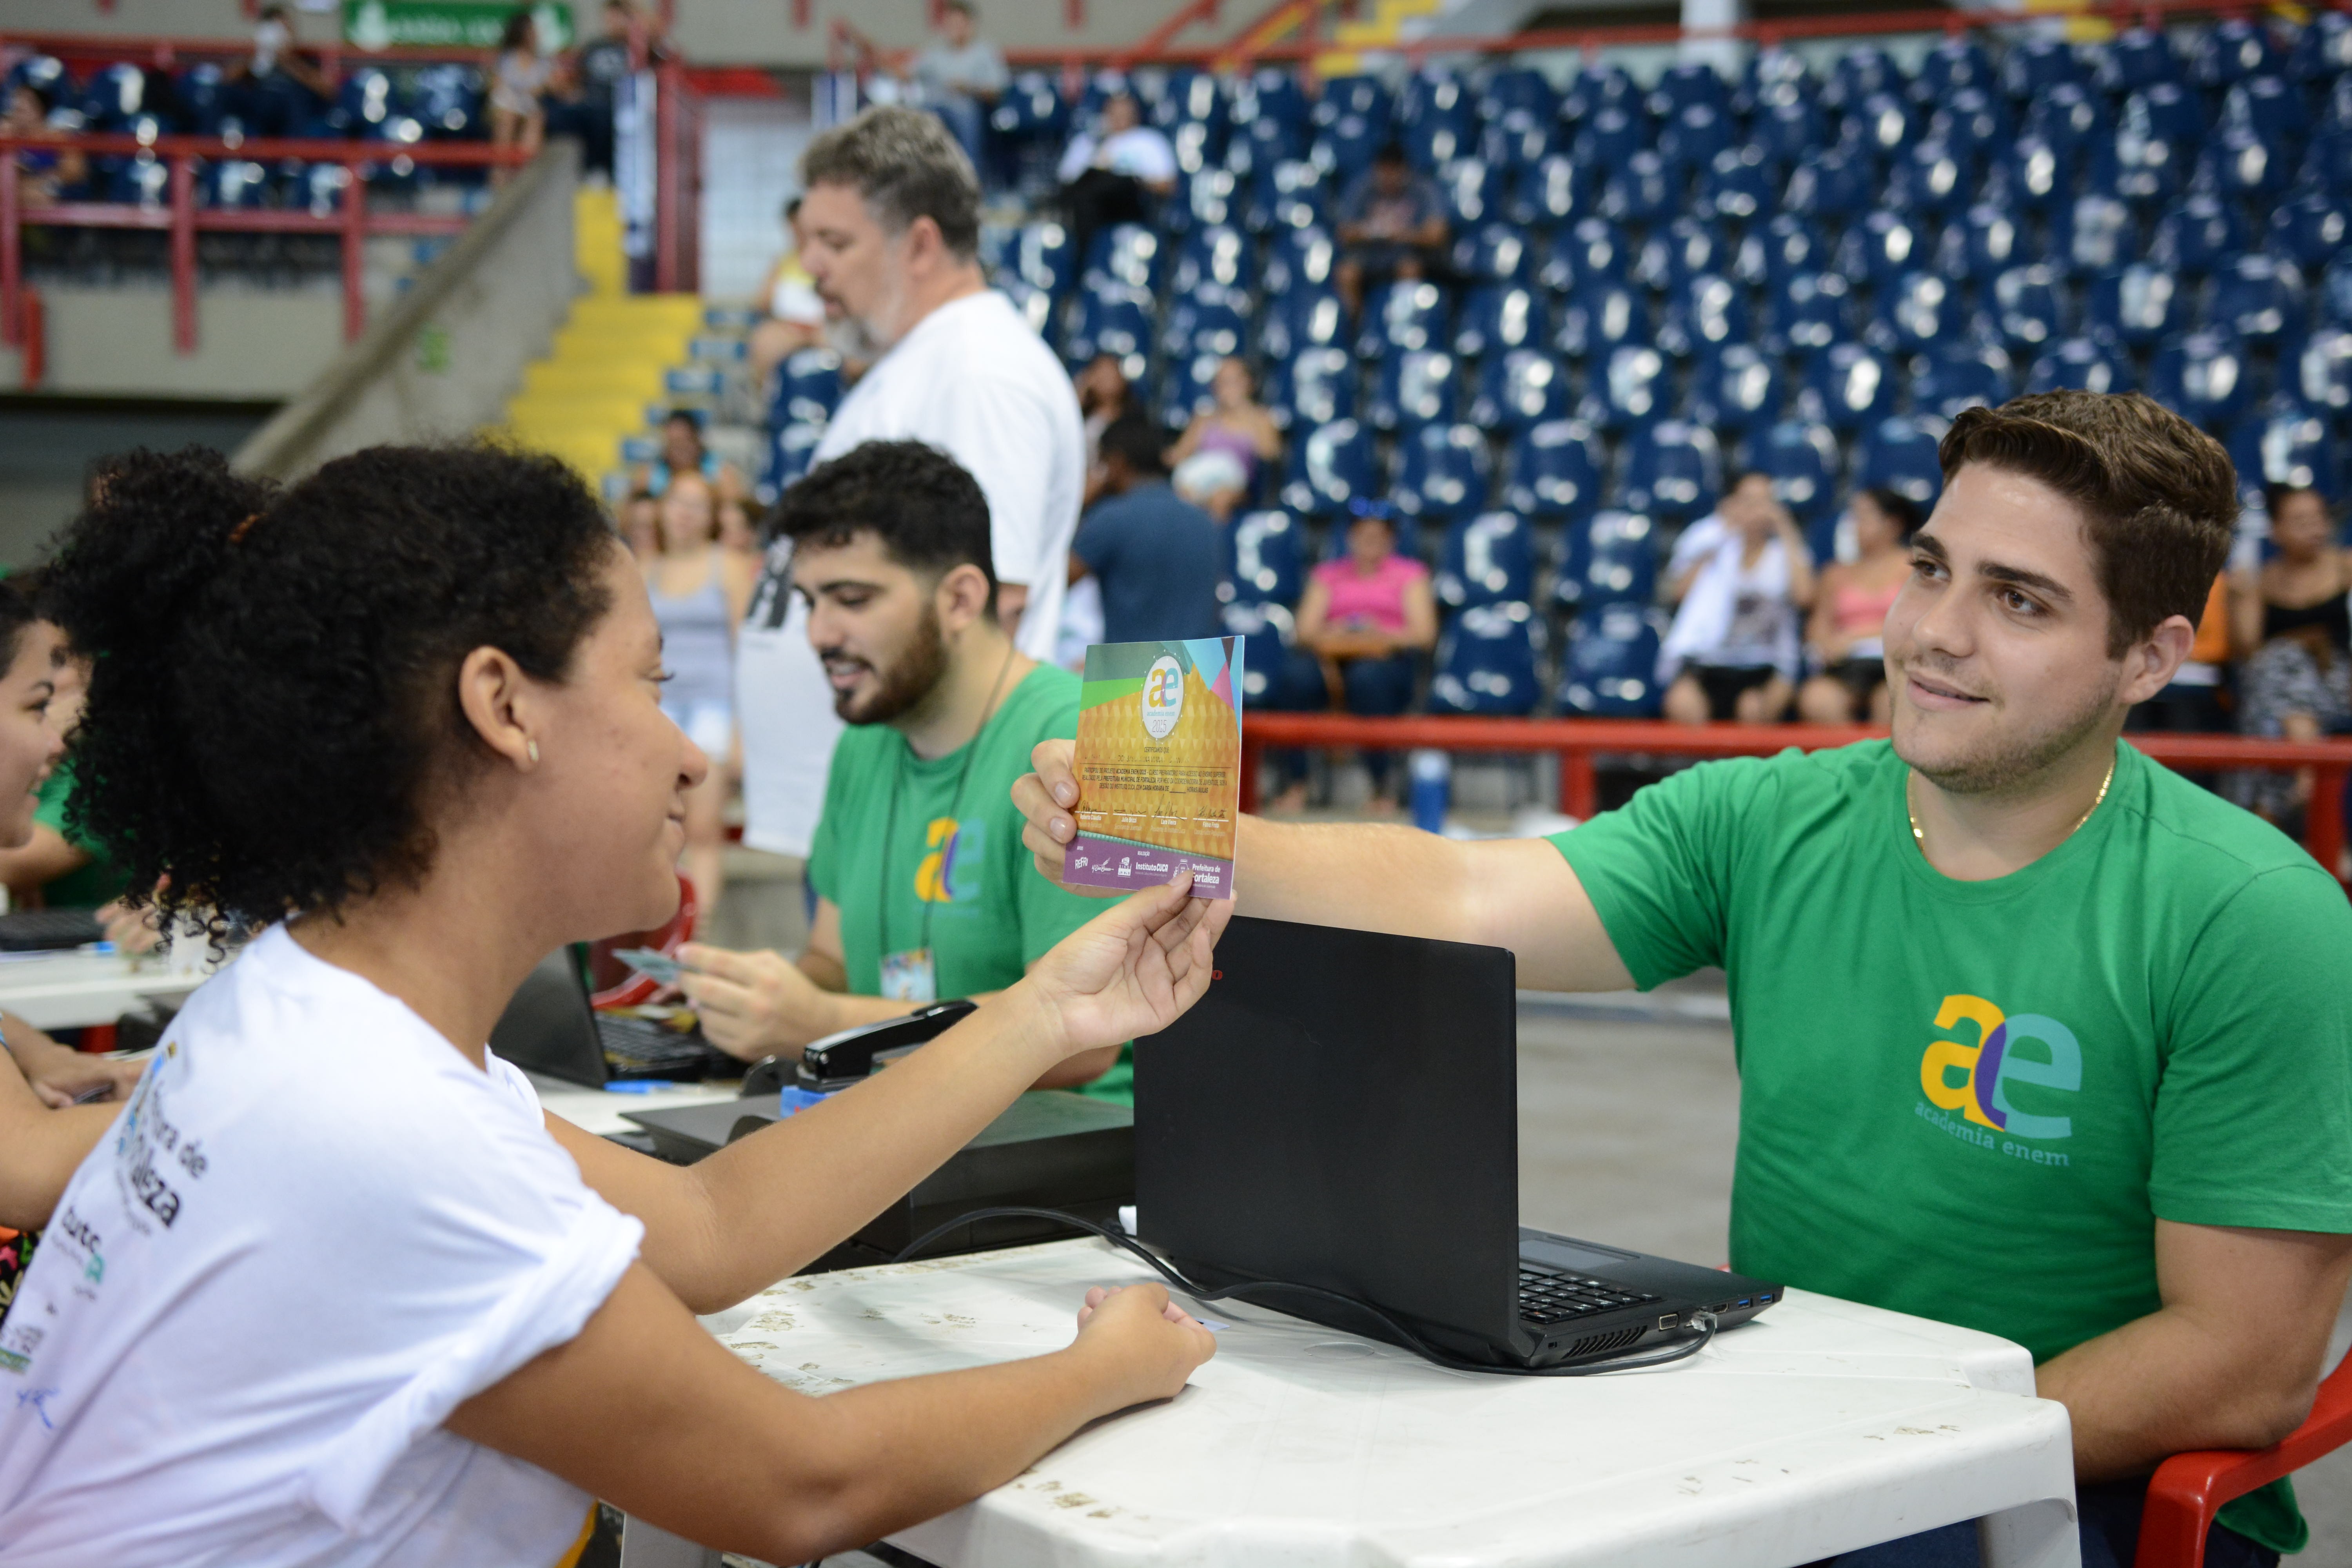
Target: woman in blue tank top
[(699, 592)]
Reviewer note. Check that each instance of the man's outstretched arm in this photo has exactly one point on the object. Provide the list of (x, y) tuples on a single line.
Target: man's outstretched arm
[(2232, 1360), (1514, 893)]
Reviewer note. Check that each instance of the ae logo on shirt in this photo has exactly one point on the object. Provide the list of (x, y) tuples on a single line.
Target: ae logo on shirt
[(949, 872), (1975, 1078)]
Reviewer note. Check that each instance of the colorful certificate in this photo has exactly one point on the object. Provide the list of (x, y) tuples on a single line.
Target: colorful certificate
[(1159, 764)]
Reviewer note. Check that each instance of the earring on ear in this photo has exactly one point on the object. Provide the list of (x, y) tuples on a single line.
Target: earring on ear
[(534, 746)]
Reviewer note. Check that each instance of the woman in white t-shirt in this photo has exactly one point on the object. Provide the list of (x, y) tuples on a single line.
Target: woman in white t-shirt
[(335, 1289)]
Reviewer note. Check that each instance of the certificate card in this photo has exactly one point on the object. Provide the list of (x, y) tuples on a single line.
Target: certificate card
[(1159, 764)]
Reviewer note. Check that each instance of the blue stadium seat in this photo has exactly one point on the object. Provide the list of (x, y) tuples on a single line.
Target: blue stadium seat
[(2074, 122), (2138, 305), (1607, 137), (1408, 316), (1288, 193), (1555, 469), (1412, 389), (1985, 241), (2309, 226), (1187, 386), (1210, 197), (1774, 74), (1288, 681), (1330, 467), (1314, 386), (1899, 455), (2168, 111), (1516, 89), (2134, 167), (2027, 307), (1787, 132), (2319, 371), (2270, 108), (2259, 298), (2203, 375), (1266, 559), (1808, 312), (2139, 57), (1494, 253), (1801, 457), (1520, 388), (1740, 183), (1299, 258), (1631, 389), (1707, 313), (1958, 62), (1611, 666), (1686, 83), (2084, 364), (1615, 557), (1486, 662), (1487, 558), (1435, 114), (2231, 51), (2322, 51), (1691, 139), (1591, 250), (1191, 114), (807, 390), (1847, 386), (2029, 176), (1972, 123), (1777, 249), (1112, 319), (1307, 317), (1551, 191), (1645, 189), (1738, 390), (1127, 254), (1358, 94), (2287, 443), (1917, 310), (366, 99), (1883, 247), (791, 447), (1598, 321), (1862, 73), (1672, 472), (2093, 235), (1881, 127), (1043, 257), (1599, 85), (1212, 322), (1473, 189), (1343, 149), (1499, 318), (2238, 164), (2197, 232), (1218, 254), (2033, 66), (1441, 471), (2336, 291), (1679, 251), (1959, 376)]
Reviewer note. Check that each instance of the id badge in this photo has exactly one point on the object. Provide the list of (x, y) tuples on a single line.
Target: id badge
[(908, 977)]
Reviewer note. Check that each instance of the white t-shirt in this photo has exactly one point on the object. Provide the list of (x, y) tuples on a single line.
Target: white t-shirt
[(314, 1232), (974, 380), (1140, 152)]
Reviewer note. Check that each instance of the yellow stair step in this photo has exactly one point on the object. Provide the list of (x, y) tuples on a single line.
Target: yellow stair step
[(578, 378)]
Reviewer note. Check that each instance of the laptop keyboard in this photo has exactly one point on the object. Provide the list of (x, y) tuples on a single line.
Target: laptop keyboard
[(1548, 1297), (635, 1045)]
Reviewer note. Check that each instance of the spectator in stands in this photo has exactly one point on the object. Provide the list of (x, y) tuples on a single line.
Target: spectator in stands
[(923, 889), (962, 77), (585, 93), (640, 523), (683, 453), (1392, 224), (1732, 652), (700, 591), (2294, 615), (275, 56), (43, 176), (795, 316), (521, 74), (1104, 395), (1366, 616), (1114, 173), (1157, 557), (1218, 457), (890, 221), (1850, 604)]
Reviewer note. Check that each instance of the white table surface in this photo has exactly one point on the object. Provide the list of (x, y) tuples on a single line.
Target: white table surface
[(70, 990), (1821, 1428), (600, 1111)]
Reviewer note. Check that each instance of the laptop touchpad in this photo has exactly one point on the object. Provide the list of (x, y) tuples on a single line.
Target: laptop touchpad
[(1562, 1253)]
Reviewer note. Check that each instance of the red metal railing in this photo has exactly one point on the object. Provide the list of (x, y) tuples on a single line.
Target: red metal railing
[(1576, 742), (184, 218)]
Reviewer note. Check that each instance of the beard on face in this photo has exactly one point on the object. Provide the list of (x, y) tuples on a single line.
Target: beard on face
[(908, 682), (2003, 762)]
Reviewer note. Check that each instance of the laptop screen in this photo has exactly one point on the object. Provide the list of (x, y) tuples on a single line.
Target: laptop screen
[(547, 1026), (1340, 1110)]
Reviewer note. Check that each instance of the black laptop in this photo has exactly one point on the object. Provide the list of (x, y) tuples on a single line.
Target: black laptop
[(1341, 1109), (549, 1028)]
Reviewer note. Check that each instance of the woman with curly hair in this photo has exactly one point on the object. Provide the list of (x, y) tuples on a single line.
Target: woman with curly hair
[(336, 1290)]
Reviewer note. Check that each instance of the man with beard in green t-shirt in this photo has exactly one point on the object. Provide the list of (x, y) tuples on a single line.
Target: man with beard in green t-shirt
[(2033, 1035), (923, 889)]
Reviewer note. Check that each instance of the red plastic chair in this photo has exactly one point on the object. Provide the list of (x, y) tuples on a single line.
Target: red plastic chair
[(2189, 1488), (612, 983)]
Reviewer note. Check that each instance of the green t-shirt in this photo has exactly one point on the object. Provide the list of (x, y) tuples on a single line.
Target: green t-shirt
[(1972, 1101), (88, 886), (956, 869)]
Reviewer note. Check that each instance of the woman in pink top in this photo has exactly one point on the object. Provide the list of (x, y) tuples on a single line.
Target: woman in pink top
[(1850, 677), (1366, 616)]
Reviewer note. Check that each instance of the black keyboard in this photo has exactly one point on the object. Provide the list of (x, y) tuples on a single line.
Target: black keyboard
[(640, 1048), (1548, 1297), (42, 931)]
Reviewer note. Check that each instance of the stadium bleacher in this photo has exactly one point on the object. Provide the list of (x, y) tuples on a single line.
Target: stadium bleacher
[(1809, 269)]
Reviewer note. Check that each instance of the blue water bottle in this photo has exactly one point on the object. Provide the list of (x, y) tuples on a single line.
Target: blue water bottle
[(1432, 781)]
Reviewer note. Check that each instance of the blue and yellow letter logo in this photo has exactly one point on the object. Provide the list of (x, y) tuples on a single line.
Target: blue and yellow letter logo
[(1973, 1079)]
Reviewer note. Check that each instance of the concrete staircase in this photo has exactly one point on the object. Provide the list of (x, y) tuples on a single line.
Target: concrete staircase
[(1386, 26)]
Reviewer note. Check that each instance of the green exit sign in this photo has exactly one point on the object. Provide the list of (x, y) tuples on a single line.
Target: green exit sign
[(447, 24)]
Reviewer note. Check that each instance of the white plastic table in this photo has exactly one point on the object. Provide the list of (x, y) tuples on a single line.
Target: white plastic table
[(602, 1110), (1821, 1428), (71, 990)]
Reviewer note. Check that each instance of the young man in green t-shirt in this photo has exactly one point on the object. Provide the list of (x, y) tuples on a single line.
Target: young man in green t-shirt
[(923, 889), (2034, 1036)]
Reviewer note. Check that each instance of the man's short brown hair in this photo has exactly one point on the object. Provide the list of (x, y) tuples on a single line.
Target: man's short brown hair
[(905, 165), (2160, 496)]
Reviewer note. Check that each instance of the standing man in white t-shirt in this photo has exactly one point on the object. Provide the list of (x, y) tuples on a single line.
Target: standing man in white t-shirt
[(891, 226)]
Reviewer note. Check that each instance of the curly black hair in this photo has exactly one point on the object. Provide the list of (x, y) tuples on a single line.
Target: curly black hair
[(272, 690)]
